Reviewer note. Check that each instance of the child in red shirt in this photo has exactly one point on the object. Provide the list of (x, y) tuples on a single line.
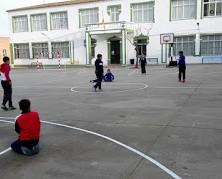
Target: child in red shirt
[(27, 125), (6, 84)]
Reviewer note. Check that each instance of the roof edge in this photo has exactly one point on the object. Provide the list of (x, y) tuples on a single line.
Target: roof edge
[(54, 4)]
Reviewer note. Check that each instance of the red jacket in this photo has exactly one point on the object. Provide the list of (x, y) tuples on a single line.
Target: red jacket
[(5, 72), (29, 125)]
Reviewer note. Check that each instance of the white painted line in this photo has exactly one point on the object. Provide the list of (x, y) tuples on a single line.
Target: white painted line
[(3, 152), (119, 91), (132, 72), (186, 87), (112, 140)]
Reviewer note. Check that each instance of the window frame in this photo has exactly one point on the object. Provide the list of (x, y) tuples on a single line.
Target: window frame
[(118, 6), (215, 9), (40, 57), (51, 21), (87, 9), (219, 34), (192, 48), (60, 54), (142, 3), (13, 23), (176, 19), (31, 20), (15, 50)]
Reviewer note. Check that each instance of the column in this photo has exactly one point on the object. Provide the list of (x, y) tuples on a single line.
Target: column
[(88, 49), (50, 49), (31, 51), (197, 44), (109, 52), (124, 47)]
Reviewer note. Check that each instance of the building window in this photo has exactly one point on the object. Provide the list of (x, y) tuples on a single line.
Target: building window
[(143, 12), (21, 51), (114, 12), (59, 21), (4, 52), (212, 8), (20, 24), (211, 45), (60, 50), (183, 9), (39, 22), (89, 16), (185, 44), (40, 50)]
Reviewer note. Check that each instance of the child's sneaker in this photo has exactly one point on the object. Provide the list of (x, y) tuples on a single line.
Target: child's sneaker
[(35, 149), (12, 108), (179, 81), (4, 108), (26, 151), (94, 88), (183, 81)]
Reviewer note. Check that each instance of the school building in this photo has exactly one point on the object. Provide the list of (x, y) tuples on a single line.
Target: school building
[(4, 48), (75, 31)]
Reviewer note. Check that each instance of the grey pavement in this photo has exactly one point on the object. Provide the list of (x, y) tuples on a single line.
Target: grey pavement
[(177, 124)]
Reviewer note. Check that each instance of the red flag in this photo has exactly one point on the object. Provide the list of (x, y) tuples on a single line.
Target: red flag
[(103, 21)]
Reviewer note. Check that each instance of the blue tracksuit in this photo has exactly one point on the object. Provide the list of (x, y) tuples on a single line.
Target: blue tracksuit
[(108, 77)]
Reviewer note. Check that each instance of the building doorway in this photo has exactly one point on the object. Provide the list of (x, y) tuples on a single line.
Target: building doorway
[(115, 51)]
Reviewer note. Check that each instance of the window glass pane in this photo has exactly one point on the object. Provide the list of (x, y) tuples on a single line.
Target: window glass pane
[(183, 9), (143, 12), (211, 45), (21, 51), (219, 9), (185, 44), (39, 22), (89, 16), (59, 20), (114, 13), (20, 24), (60, 50), (40, 50)]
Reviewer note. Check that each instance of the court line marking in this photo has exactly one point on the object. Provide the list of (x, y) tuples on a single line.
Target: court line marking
[(171, 173), (185, 87), (73, 89)]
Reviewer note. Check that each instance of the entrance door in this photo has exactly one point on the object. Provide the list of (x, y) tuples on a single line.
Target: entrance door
[(115, 52)]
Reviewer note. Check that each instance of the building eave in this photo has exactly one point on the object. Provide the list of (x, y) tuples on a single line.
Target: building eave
[(56, 4)]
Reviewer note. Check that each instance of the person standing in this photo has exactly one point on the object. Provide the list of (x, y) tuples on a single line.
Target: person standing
[(182, 67), (99, 72), (143, 64), (6, 84)]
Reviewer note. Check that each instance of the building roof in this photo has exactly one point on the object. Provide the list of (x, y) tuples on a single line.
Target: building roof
[(55, 4)]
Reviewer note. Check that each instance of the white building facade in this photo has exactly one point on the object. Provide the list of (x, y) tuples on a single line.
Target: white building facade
[(73, 32)]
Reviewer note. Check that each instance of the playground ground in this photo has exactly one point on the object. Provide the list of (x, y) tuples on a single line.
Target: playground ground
[(140, 126)]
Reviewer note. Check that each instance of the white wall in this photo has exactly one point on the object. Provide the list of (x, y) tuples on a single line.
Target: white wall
[(162, 25)]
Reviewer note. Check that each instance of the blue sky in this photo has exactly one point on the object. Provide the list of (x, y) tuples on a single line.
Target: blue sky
[(11, 4)]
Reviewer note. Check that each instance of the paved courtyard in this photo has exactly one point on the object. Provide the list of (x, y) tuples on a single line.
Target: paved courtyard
[(140, 126)]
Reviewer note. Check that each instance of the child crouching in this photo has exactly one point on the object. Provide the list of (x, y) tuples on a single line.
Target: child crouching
[(27, 125), (109, 77)]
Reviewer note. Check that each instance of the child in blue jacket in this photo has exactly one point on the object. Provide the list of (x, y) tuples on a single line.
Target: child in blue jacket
[(109, 77)]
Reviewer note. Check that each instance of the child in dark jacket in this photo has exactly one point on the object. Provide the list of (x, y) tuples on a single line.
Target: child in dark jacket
[(27, 125), (109, 77), (182, 67)]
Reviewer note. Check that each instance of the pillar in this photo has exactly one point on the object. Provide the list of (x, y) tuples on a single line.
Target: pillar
[(88, 49), (124, 45), (197, 44)]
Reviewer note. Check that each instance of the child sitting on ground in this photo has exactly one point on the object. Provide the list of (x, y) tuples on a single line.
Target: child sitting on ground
[(27, 125), (109, 77)]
